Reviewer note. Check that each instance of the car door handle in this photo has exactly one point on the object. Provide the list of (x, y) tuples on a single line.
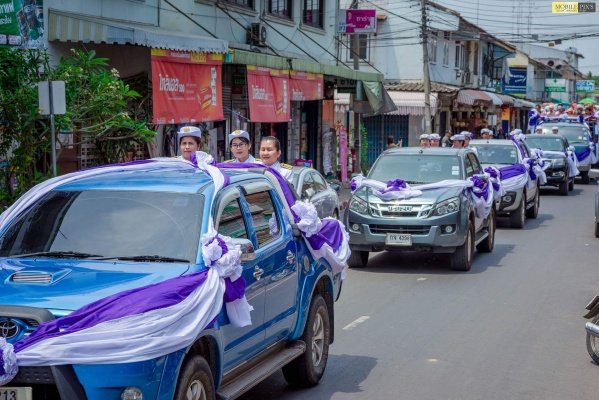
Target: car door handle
[(290, 257), (258, 272)]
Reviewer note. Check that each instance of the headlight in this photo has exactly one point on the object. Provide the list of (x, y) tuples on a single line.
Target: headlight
[(447, 206), (509, 197), (358, 205), (132, 393)]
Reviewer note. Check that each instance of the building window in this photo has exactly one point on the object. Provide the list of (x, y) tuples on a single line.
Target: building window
[(432, 47), (313, 13), (362, 46), (280, 8), (241, 3), (459, 56), (446, 53)]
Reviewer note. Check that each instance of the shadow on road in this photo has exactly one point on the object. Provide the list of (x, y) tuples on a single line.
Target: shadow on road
[(504, 222), (433, 264), (338, 378)]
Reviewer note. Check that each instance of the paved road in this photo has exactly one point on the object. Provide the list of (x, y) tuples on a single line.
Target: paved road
[(410, 328)]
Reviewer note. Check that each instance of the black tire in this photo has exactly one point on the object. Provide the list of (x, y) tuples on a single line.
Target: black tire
[(336, 214), (571, 185), (593, 343), (195, 381), (486, 246), (533, 211), (307, 369), (461, 259), (563, 188), (358, 259), (518, 216), (597, 229), (586, 179)]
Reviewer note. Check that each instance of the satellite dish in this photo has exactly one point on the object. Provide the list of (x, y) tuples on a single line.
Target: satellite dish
[(551, 63), (262, 34)]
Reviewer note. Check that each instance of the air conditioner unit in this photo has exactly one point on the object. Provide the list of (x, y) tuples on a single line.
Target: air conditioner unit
[(467, 77), (257, 34)]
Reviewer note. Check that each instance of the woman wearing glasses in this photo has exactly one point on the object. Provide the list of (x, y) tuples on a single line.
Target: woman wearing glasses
[(239, 142)]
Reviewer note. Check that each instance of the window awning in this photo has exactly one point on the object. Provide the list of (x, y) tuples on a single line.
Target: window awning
[(519, 103), (412, 103), (66, 27), (238, 56), (471, 97)]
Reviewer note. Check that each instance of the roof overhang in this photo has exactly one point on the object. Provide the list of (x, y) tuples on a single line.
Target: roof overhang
[(66, 27)]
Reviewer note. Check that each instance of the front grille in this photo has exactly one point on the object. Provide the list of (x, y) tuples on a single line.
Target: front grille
[(411, 229), (395, 210), (34, 375)]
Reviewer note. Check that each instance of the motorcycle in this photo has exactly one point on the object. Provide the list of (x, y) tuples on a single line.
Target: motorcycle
[(592, 328)]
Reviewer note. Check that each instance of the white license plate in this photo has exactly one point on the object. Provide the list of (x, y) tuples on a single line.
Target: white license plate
[(15, 393), (396, 239)]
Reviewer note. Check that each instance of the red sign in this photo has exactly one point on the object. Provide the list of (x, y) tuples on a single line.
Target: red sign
[(306, 86), (268, 94), (186, 87)]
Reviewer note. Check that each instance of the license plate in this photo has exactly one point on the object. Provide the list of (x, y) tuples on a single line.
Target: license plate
[(396, 239), (15, 393)]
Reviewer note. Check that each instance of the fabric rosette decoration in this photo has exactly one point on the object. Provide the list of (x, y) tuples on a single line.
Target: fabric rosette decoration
[(396, 189), (493, 176)]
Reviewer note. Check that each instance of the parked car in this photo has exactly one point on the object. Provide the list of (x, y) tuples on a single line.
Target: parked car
[(579, 136), (555, 159), (311, 186), (93, 237), (521, 202), (439, 221)]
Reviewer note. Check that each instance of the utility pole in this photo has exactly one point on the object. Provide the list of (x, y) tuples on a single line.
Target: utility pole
[(425, 71), (355, 50)]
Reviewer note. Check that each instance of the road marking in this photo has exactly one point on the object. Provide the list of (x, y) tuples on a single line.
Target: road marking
[(356, 322), (421, 279), (432, 360)]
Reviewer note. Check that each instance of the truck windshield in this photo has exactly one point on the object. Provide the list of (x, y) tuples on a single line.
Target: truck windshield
[(548, 142), (107, 223), (497, 154), (417, 168), (575, 134)]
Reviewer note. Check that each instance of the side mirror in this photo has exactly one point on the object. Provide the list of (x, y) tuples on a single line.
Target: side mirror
[(307, 194), (247, 249), (336, 187), (571, 148)]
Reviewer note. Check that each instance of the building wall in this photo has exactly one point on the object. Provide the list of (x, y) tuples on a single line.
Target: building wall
[(287, 37)]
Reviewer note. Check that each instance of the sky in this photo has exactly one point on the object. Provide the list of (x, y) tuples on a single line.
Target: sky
[(519, 20)]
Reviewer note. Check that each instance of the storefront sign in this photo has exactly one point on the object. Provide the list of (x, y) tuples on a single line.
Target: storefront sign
[(585, 86), (555, 85), (343, 153), (22, 23), (514, 81), (268, 94), (356, 21), (306, 86), (505, 113), (187, 87)]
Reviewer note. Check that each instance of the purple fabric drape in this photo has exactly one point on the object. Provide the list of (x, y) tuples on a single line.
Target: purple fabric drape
[(511, 170)]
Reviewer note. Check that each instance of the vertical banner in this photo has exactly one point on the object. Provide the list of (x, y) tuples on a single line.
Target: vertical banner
[(306, 86), (343, 153), (268, 94), (186, 87), (22, 23)]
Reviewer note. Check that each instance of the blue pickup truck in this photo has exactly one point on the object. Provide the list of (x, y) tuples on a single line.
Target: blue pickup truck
[(95, 236)]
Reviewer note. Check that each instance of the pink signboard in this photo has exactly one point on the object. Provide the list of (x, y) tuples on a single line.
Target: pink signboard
[(343, 153), (356, 21)]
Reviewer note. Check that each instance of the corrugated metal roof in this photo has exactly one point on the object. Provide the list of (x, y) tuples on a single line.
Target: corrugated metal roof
[(471, 97), (412, 103), (66, 27), (419, 87)]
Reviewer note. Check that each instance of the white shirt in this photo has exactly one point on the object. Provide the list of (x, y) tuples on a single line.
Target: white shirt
[(285, 172), (250, 159)]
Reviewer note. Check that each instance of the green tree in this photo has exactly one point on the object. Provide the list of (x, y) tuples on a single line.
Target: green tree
[(97, 112)]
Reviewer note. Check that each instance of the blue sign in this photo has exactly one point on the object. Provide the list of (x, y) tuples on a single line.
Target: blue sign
[(585, 86), (514, 81)]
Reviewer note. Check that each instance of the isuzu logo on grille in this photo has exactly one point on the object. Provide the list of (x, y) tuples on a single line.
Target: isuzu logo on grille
[(8, 328), (400, 208)]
